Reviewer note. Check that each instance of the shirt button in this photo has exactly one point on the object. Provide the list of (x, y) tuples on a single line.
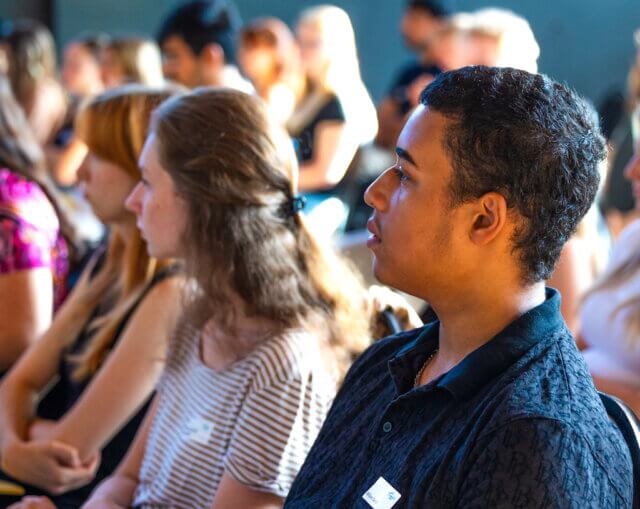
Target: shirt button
[(387, 426)]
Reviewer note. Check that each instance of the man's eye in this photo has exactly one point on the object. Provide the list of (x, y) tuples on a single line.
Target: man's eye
[(400, 173)]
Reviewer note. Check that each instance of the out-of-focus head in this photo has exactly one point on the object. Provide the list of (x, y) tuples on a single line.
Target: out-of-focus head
[(421, 20), (197, 40), (30, 53), (449, 47), (266, 51), (327, 45), (131, 60), (501, 38), (81, 65), (19, 150), (114, 126)]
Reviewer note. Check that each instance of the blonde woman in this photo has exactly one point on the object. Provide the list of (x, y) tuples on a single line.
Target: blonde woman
[(335, 114), (610, 314), (106, 344), (131, 60)]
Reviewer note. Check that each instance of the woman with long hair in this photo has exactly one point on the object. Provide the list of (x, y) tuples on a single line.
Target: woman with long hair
[(610, 313), (29, 50), (268, 56), (335, 115), (273, 319), (38, 245), (132, 59), (107, 343)]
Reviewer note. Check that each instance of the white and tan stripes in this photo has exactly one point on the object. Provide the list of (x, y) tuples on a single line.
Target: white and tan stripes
[(257, 420)]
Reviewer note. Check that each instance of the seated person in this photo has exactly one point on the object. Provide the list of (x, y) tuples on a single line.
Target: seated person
[(492, 405), (197, 40), (37, 242), (421, 22), (610, 314), (104, 350)]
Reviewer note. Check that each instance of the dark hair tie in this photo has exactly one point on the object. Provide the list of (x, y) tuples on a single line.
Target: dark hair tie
[(297, 203)]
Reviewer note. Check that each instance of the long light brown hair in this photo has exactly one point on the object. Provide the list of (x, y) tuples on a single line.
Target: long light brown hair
[(114, 126), (243, 235), (32, 58), (20, 152)]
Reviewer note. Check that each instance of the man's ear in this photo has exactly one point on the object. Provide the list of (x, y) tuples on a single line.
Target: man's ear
[(212, 56), (489, 218)]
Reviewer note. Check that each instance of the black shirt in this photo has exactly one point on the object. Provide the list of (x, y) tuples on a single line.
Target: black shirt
[(332, 111), (517, 423), (406, 76)]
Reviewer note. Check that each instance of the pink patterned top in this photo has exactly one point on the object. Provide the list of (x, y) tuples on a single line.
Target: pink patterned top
[(30, 232)]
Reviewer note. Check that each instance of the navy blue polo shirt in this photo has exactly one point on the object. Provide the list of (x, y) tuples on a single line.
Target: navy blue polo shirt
[(518, 423)]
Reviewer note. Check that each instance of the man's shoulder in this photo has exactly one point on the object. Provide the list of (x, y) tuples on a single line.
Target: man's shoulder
[(554, 391), (551, 382)]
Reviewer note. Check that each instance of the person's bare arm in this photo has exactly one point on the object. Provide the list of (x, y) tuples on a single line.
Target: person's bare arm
[(46, 464), (334, 146), (630, 394), (232, 494), (26, 309), (117, 491), (127, 378)]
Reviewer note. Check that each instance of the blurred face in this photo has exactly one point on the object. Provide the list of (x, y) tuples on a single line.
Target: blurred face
[(414, 229), (258, 63), (417, 28), (449, 51), (161, 213), (312, 50), (80, 71), (179, 62), (113, 74), (632, 172), (105, 186)]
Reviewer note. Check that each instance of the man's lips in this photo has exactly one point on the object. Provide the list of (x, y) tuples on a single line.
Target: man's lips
[(374, 238)]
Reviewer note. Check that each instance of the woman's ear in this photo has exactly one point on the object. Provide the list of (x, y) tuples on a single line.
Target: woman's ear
[(489, 218)]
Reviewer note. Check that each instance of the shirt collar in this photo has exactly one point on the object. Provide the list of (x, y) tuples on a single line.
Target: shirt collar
[(484, 363)]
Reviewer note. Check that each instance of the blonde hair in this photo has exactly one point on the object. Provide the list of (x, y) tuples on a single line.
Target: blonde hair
[(341, 73), (517, 46), (139, 59), (114, 126)]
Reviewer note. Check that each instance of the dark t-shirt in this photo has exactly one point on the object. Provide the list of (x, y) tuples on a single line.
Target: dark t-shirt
[(406, 76), (330, 111), (517, 423), (66, 392)]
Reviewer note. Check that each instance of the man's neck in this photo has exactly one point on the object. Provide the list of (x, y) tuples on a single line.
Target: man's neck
[(469, 321)]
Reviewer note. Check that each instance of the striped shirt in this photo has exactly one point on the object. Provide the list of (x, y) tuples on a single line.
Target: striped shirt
[(255, 420)]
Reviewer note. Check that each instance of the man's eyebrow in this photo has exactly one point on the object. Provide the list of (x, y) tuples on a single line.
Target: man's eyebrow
[(403, 154)]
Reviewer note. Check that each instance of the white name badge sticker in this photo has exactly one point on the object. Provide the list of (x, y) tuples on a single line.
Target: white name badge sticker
[(199, 430), (381, 495)]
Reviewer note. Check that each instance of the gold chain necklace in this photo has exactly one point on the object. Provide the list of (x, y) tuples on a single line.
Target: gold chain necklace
[(416, 380)]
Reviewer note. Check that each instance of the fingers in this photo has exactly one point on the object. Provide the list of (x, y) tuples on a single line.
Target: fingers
[(65, 455), (31, 502)]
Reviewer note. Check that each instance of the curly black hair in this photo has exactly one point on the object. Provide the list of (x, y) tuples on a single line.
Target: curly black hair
[(529, 138)]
